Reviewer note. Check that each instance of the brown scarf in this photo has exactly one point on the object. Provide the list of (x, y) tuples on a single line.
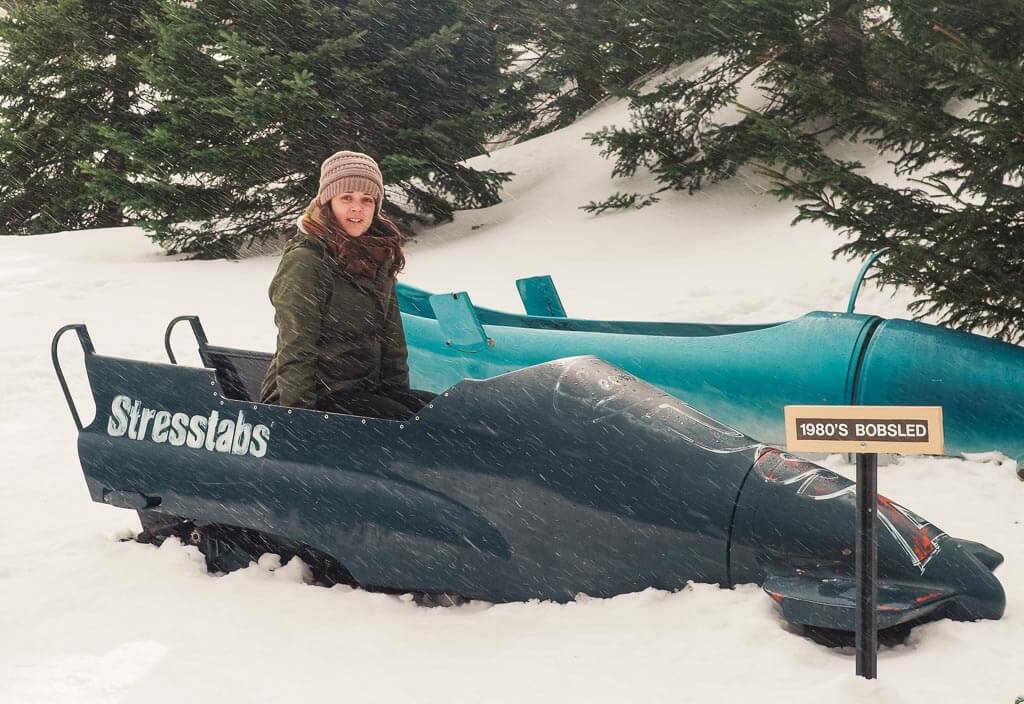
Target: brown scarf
[(377, 252)]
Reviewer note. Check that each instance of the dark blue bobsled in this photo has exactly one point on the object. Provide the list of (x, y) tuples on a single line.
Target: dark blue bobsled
[(562, 478)]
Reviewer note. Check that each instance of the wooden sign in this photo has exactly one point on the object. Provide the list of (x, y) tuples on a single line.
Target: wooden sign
[(909, 430)]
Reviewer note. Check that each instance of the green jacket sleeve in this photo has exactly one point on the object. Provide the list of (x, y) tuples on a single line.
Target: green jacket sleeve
[(299, 295), (394, 352)]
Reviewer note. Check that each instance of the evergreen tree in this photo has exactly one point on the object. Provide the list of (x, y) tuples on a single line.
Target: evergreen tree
[(66, 78), (253, 96), (936, 87), (578, 53)]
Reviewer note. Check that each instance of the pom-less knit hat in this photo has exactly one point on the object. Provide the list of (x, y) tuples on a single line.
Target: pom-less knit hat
[(345, 172)]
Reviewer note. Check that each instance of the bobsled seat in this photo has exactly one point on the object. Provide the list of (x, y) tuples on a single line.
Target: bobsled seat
[(239, 372)]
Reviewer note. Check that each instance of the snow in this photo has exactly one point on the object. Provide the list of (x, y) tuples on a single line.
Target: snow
[(87, 618)]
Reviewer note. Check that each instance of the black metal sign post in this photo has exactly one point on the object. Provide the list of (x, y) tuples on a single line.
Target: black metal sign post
[(866, 431), (867, 565)]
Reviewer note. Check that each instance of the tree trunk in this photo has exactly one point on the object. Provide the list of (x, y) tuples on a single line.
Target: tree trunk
[(844, 35), (587, 73), (111, 214)]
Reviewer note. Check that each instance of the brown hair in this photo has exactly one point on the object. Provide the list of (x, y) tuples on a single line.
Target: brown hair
[(380, 245)]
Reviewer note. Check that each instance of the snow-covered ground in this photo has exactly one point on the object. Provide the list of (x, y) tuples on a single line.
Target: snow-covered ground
[(85, 618)]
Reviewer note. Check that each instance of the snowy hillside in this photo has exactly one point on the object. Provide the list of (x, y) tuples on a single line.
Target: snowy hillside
[(88, 619)]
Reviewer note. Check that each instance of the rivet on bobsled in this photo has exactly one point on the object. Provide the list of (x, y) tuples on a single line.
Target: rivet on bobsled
[(566, 477)]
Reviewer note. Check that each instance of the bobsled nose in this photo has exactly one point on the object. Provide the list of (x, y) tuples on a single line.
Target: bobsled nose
[(966, 568)]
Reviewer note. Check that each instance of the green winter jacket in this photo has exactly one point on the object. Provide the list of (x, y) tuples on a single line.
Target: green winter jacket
[(335, 332)]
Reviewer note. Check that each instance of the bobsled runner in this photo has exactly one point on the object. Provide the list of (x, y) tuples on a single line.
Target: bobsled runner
[(561, 478), (742, 375)]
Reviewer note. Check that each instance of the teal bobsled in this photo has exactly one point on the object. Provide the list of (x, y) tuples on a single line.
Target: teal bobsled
[(741, 374)]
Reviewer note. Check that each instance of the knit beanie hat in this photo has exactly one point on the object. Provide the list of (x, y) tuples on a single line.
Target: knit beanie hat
[(345, 172)]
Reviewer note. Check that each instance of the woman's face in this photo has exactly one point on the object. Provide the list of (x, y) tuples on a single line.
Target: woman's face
[(354, 212)]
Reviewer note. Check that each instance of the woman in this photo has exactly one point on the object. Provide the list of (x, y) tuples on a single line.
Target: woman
[(340, 342)]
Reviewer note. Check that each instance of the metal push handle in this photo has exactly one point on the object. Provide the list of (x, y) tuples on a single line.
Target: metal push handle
[(859, 281), (197, 330), (86, 342)]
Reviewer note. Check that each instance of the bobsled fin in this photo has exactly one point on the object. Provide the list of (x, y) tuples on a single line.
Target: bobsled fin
[(459, 322), (983, 553), (831, 602), (540, 297), (130, 499)]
